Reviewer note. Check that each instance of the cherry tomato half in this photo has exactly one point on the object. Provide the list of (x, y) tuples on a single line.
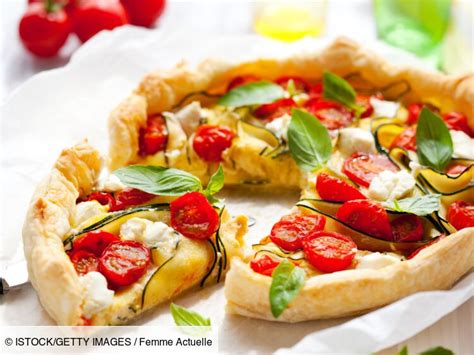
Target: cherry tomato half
[(242, 80), (331, 114), (154, 137), (362, 168), (366, 216), (93, 16), (143, 12), (329, 251), (461, 214), (94, 242), (268, 112), (316, 91), (193, 216), (456, 169), (406, 140), (458, 122), (124, 262), (210, 141), (104, 198), (44, 31), (300, 84), (407, 228), (333, 189), (264, 265), (290, 231), (84, 261), (364, 101), (130, 197), (414, 110)]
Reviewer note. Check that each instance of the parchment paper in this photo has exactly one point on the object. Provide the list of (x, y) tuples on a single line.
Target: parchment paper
[(58, 108)]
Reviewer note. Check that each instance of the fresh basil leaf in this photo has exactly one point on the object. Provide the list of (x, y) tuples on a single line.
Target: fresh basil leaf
[(186, 317), (403, 351), (419, 205), (434, 145), (216, 182), (287, 281), (439, 350), (308, 140), (257, 93), (337, 89), (158, 180)]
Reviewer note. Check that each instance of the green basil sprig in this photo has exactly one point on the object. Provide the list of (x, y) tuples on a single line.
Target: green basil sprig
[(162, 181), (434, 145), (439, 350), (287, 281), (419, 205), (337, 89), (186, 317), (308, 140), (256, 93)]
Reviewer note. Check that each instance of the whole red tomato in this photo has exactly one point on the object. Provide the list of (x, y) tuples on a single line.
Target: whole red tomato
[(44, 28), (144, 12), (93, 16)]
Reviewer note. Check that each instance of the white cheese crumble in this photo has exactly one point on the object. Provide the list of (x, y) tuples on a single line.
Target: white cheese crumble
[(86, 210), (189, 117), (153, 234), (391, 186), (279, 126), (353, 140), (384, 108), (463, 145), (376, 260), (111, 184), (97, 296)]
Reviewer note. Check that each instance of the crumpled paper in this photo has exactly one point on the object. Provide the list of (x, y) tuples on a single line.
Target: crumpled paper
[(58, 108)]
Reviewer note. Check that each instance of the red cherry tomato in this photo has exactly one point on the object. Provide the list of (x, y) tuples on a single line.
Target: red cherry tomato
[(329, 251), (458, 122), (94, 242), (331, 114), (193, 216), (104, 198), (93, 16), (366, 216), (407, 228), (461, 214), (84, 261), (124, 262), (268, 112), (364, 101), (154, 137), (456, 169), (289, 232), (210, 141), (143, 12), (300, 84), (316, 91), (130, 197), (264, 265), (362, 168), (406, 140), (241, 80), (413, 112), (333, 189), (44, 29)]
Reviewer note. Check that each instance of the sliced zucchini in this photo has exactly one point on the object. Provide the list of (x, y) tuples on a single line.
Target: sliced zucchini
[(365, 241), (111, 222), (440, 182), (274, 250), (261, 133), (385, 134), (203, 97), (160, 256)]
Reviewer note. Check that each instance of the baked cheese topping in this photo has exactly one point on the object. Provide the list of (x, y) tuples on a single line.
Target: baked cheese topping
[(463, 145), (391, 186), (97, 296), (86, 210), (377, 260)]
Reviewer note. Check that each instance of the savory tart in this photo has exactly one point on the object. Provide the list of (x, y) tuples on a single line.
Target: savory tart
[(383, 157), (101, 252)]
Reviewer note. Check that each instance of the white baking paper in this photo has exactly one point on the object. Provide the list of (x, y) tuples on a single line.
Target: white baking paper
[(58, 108)]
